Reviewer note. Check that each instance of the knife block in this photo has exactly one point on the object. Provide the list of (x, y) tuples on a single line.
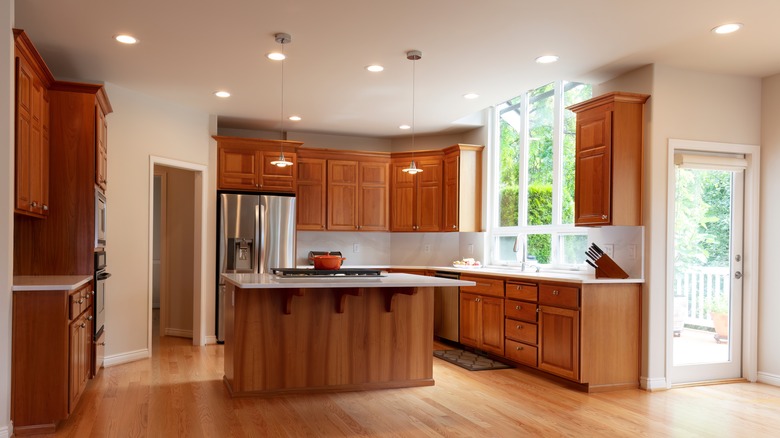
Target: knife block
[(607, 268)]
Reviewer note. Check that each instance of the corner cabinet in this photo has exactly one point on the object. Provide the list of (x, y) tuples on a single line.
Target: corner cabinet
[(462, 188), (609, 159), (32, 81), (51, 356), (245, 164)]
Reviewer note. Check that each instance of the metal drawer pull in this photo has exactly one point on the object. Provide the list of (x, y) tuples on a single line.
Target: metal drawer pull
[(518, 348), (519, 287), (83, 324), (518, 308), (519, 326), (477, 300), (81, 300), (555, 292)]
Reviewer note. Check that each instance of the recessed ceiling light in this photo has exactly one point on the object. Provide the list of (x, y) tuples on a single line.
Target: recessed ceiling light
[(126, 39), (295, 118), (470, 95), (222, 94), (727, 28), (375, 68), (405, 127), (276, 56), (546, 59)]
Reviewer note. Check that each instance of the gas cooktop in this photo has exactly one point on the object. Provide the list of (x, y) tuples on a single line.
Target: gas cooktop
[(343, 272)]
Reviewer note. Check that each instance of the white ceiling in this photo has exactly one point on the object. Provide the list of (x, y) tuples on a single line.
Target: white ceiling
[(191, 48)]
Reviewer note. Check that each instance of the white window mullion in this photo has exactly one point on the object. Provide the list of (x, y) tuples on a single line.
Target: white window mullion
[(522, 217)]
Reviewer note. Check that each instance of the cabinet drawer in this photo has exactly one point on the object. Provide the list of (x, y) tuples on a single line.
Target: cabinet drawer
[(484, 286), (520, 331), (559, 296), (522, 291), (520, 352), (78, 301), (520, 310)]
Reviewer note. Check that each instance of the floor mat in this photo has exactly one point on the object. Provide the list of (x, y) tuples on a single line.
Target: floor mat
[(469, 360)]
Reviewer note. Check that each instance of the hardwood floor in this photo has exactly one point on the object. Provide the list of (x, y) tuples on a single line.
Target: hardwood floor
[(179, 392)]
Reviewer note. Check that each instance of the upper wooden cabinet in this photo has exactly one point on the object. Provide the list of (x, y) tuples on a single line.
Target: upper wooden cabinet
[(609, 165), (245, 164), (462, 188), (311, 194), (416, 201), (33, 80), (358, 194), (101, 149)]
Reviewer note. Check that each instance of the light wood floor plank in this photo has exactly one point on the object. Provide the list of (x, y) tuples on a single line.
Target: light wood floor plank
[(179, 392)]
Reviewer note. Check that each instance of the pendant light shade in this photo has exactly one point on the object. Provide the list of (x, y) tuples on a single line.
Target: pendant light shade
[(282, 39), (413, 55)]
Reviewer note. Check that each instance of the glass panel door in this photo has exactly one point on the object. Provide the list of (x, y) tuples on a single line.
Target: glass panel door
[(706, 288)]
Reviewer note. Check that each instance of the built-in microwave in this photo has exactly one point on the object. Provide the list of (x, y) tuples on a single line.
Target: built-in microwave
[(100, 219)]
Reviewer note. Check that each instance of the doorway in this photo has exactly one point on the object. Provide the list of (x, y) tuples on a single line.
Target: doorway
[(707, 264)]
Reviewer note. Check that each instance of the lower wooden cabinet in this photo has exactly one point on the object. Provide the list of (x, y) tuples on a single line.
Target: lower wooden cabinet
[(588, 333), (51, 356)]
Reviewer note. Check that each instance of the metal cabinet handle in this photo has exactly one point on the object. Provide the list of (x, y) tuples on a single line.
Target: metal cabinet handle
[(477, 300), (454, 227), (518, 348), (83, 324), (518, 308), (34, 204), (89, 318), (555, 292), (518, 287), (45, 207), (519, 326), (102, 344), (81, 300), (604, 216)]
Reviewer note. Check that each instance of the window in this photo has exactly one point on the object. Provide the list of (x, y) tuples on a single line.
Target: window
[(533, 187)]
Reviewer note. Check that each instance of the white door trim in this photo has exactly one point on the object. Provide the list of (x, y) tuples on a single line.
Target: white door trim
[(199, 257), (750, 249)]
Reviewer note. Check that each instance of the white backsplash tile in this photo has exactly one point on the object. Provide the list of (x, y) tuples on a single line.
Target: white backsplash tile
[(627, 243)]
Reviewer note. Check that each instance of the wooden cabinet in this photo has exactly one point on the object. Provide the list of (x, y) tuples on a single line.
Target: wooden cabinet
[(462, 188), (358, 195), (245, 164), (609, 159), (482, 314), (101, 149), (416, 201), (51, 356), (64, 243), (33, 80), (311, 194), (559, 341), (520, 323)]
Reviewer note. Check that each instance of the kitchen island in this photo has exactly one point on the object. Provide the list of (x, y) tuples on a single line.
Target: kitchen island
[(308, 335)]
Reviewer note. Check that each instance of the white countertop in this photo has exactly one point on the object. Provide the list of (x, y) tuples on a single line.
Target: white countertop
[(271, 281), (577, 277), (49, 282)]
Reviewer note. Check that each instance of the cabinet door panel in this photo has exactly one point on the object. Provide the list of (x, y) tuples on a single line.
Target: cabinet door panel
[(238, 169), (429, 196), (342, 195), (374, 198), (593, 170), (559, 341), (469, 319), (402, 199), (311, 194), (274, 178), (492, 324), (451, 194)]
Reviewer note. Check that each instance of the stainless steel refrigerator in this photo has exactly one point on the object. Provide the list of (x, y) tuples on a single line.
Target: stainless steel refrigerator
[(255, 233)]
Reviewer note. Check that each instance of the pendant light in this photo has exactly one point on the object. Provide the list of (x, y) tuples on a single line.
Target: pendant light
[(282, 39), (413, 55)]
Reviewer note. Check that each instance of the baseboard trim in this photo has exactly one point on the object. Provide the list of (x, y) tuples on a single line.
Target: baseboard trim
[(179, 333), (131, 356), (653, 384), (211, 340), (5, 432), (769, 379)]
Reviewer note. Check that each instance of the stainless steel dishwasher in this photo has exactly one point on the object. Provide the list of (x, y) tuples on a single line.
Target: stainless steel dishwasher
[(446, 309)]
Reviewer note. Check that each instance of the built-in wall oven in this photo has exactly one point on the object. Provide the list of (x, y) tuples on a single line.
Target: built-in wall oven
[(99, 308), (100, 219)]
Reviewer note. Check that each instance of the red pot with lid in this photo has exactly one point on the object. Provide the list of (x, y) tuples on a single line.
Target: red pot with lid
[(327, 261)]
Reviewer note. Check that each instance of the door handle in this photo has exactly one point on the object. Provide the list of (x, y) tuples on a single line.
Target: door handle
[(738, 275)]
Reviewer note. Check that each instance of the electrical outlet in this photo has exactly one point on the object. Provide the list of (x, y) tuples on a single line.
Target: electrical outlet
[(609, 249), (355, 247), (632, 252), (471, 248), (427, 247)]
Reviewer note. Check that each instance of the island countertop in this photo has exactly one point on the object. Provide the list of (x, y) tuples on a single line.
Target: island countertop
[(271, 281)]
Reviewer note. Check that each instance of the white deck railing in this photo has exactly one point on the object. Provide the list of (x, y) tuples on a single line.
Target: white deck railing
[(701, 286)]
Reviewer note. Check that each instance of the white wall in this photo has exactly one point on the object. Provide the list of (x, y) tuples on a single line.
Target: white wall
[(684, 105), (768, 298), (139, 127), (6, 208)]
